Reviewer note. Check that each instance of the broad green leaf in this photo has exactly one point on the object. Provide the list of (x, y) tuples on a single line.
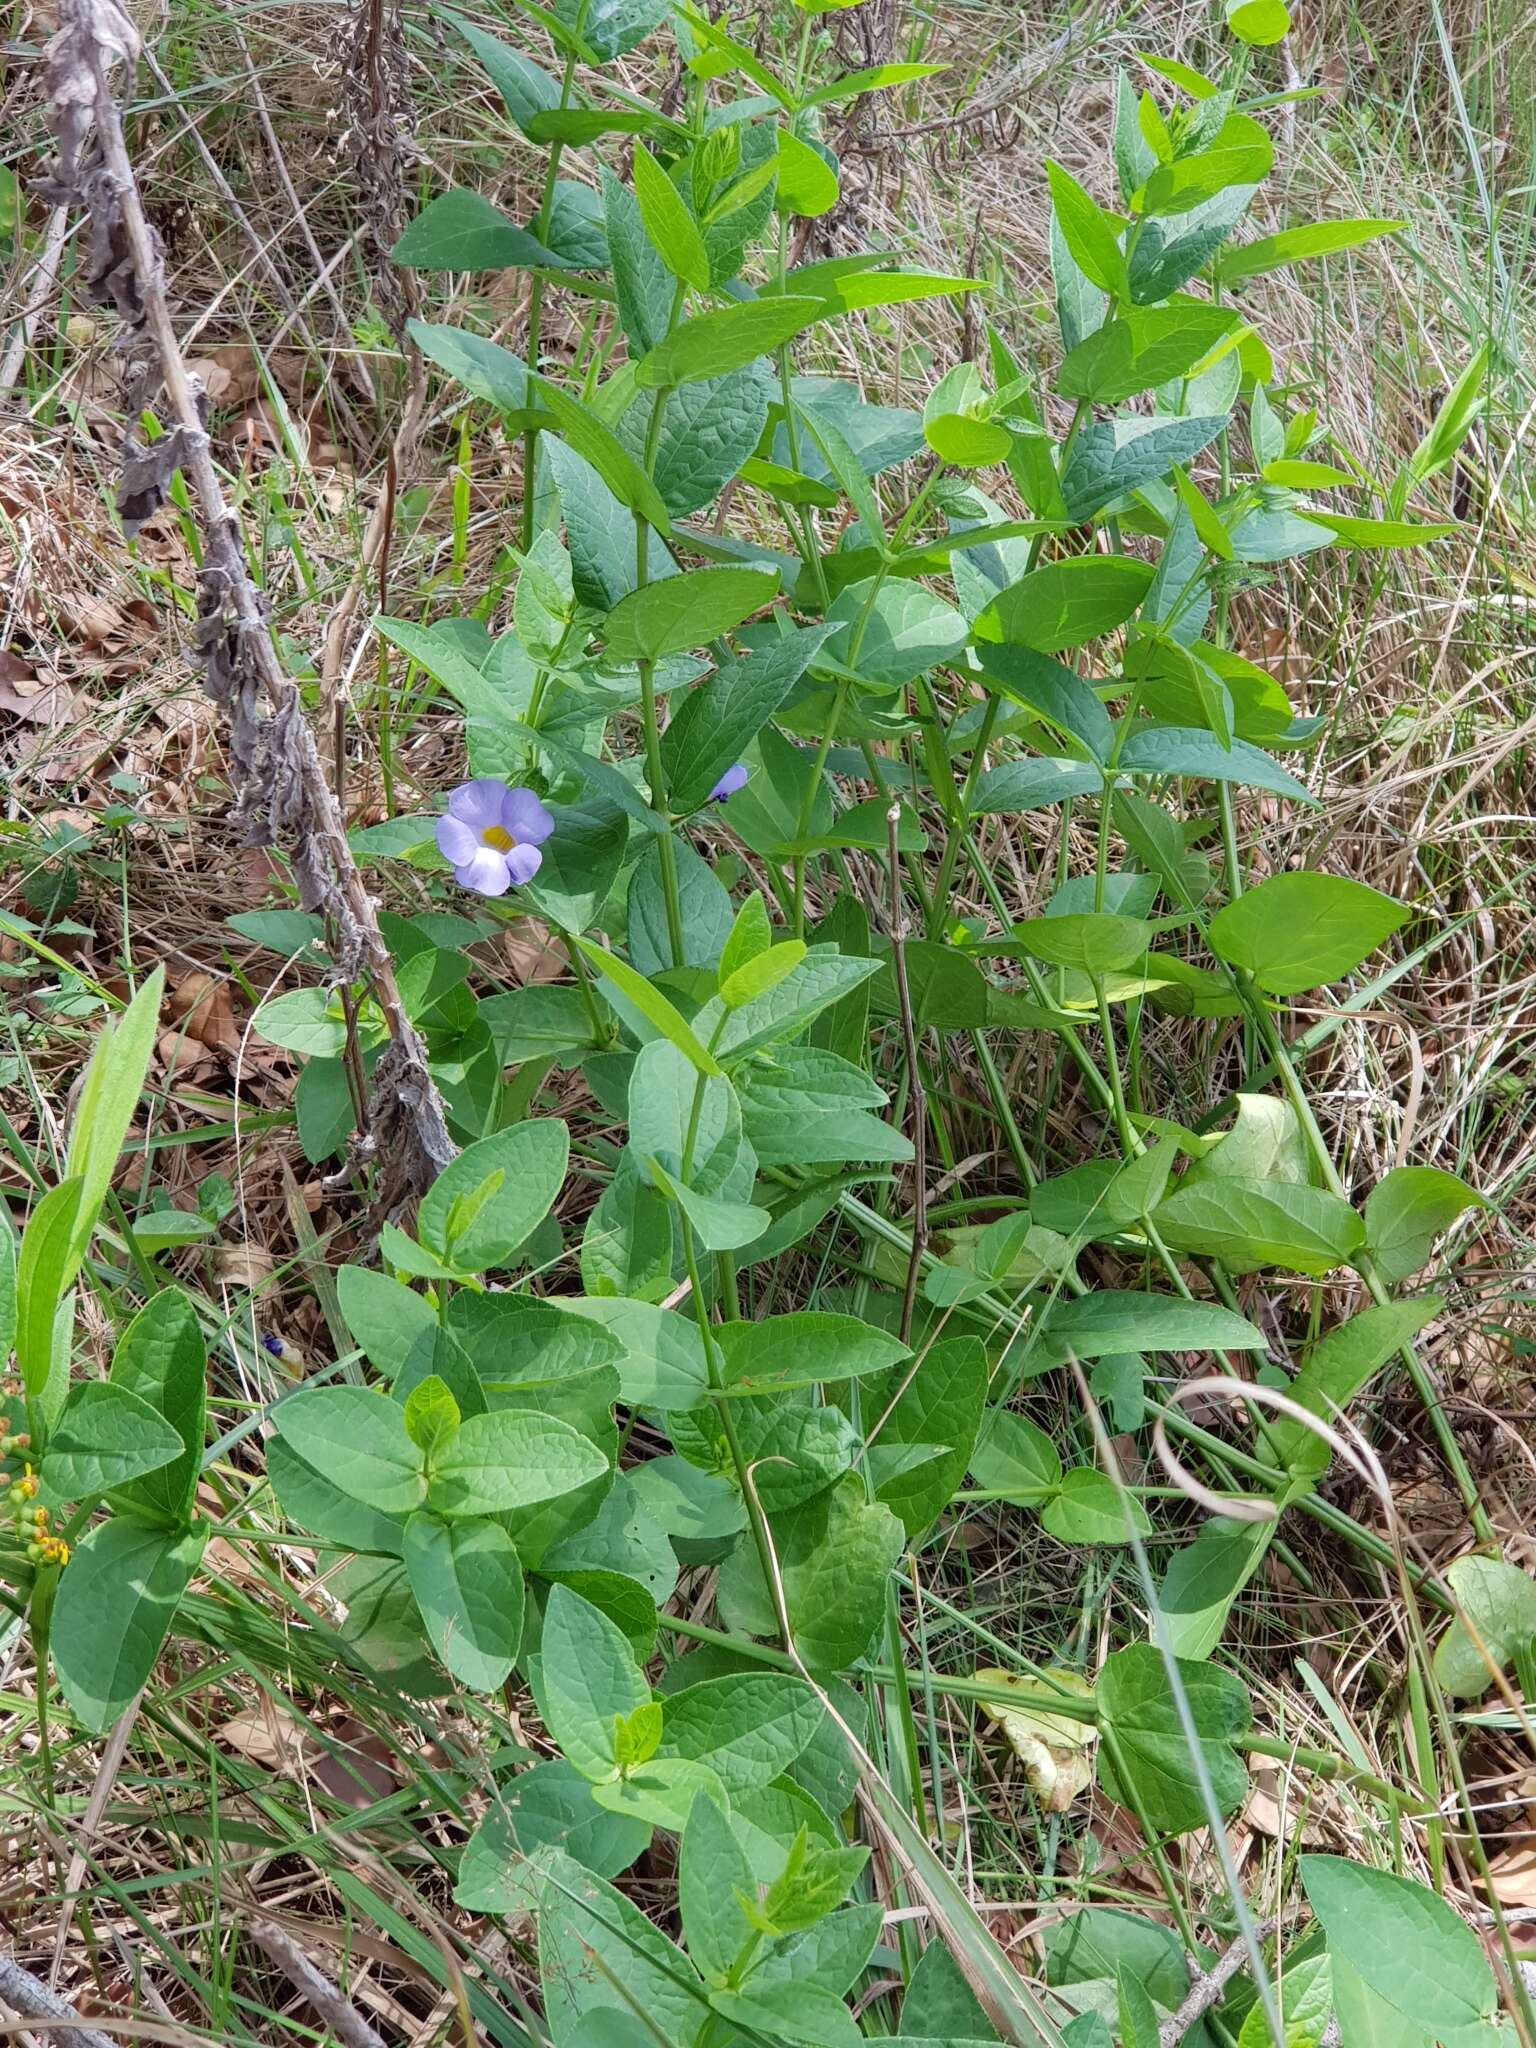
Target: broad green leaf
[(459, 230), (886, 636), (1055, 692), (1185, 750), (588, 1681), (807, 184), (708, 431), (386, 1318), (109, 1097), (856, 291), (713, 344), (684, 611), (482, 1206), (579, 424), (1367, 2018), (802, 1349), (835, 1555), (940, 1403), (660, 1792), (640, 278), (1032, 785), (938, 2004), (316, 1505), (526, 90), (675, 1113), (1382, 533), (1204, 1578), (1092, 942), (1150, 345), (610, 27), (1249, 1224), (105, 1437), (1144, 1754), (1102, 1323), (116, 1600), (1406, 1211), (1065, 604), (721, 1223), (1112, 457), (534, 1022), (1405, 1943), (1259, 22), (757, 977), (1016, 1460), (1266, 1142), (583, 858), (549, 1805), (1090, 234), (750, 934), (748, 1726), (1301, 929), (469, 1586), (1338, 1366), (309, 1021), (1499, 1601), (1088, 1507), (713, 1876), (511, 1458), (51, 1247), (712, 726), (635, 991), (702, 899), (1295, 245), (1138, 2015), (432, 1414), (798, 2012), (670, 227), (1098, 1942), (1240, 154), (598, 1953), (358, 1439)]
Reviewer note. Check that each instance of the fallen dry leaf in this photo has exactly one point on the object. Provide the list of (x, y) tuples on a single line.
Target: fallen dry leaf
[(1055, 1750), (204, 1008)]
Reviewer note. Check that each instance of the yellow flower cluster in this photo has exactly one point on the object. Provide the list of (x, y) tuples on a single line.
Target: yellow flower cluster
[(26, 1524)]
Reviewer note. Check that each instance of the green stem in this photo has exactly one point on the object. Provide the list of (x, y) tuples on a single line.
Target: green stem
[(536, 310)]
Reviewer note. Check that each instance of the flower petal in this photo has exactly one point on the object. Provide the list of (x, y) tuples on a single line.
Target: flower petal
[(478, 803), (733, 779), (456, 841), (526, 818), (486, 873), (523, 862)]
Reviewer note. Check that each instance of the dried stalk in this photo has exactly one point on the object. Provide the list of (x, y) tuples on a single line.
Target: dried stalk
[(284, 797), (342, 2018), (30, 1997)]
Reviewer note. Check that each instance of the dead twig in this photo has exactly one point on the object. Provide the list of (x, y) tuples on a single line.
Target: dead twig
[(30, 1997), (343, 2019), (284, 796)]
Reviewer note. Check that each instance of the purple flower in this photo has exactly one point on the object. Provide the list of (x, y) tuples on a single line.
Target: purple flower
[(732, 780), (492, 835)]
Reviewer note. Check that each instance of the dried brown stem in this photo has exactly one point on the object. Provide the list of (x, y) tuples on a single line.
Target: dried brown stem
[(284, 797), (343, 2019)]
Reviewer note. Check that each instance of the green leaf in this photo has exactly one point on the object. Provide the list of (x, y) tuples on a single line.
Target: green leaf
[(1016, 1460), (109, 1097), (1112, 457), (387, 1319), (1499, 1601), (1406, 1211), (511, 1458), (714, 724), (674, 1113), (802, 1349), (579, 424), (714, 344), (640, 278), (750, 934), (1066, 604), (1142, 1736), (661, 1793), (938, 2004), (1249, 1224), (526, 90), (807, 184), (799, 2012), (1406, 1944), (459, 230), (432, 1415), (1204, 1578), (940, 1403), (1240, 154), (161, 1359), (469, 1586), (308, 1021), (1185, 750), (748, 1726), (598, 1953), (708, 431), (1295, 245), (1092, 942), (610, 27), (1382, 533), (582, 859), (685, 611), (1090, 234), (835, 1553), (549, 1805), (670, 227), (720, 1223), (115, 1604), (1150, 345), (105, 1437), (533, 1023), (1138, 2015), (1338, 1366), (1032, 785), (1088, 1507), (650, 1003), (588, 1682), (316, 1505), (713, 1875), (906, 630), (1104, 1323), (1301, 929), (358, 1439), (1259, 22), (759, 976), (475, 1220)]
